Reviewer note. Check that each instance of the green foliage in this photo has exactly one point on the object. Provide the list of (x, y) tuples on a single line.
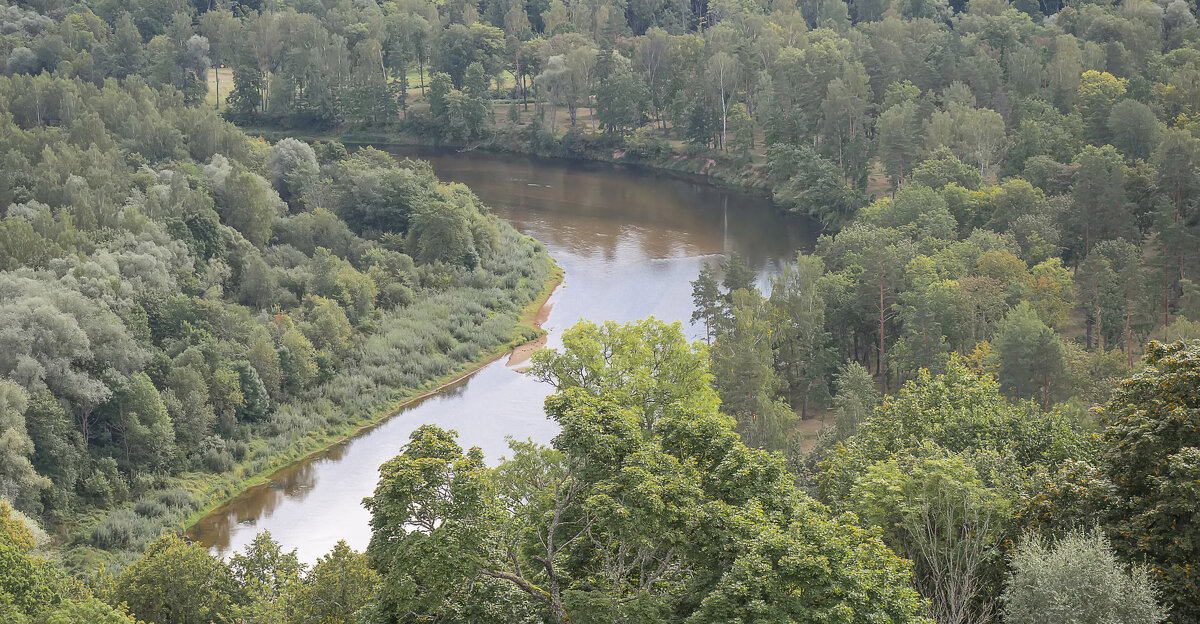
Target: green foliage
[(29, 585), (646, 365), (706, 300), (124, 529), (800, 335), (167, 309), (1098, 91), (1153, 455), (744, 375), (899, 130), (1077, 580), (939, 466), (937, 512), (960, 412), (175, 582), (294, 169), (175, 296), (1032, 357), (247, 204), (91, 611), (263, 575), (446, 231), (856, 398), (942, 167), (18, 478), (810, 184), (431, 501), (1133, 128), (917, 210), (339, 589), (1102, 210), (645, 470)]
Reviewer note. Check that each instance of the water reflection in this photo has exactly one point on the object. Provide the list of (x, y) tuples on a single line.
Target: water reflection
[(630, 243)]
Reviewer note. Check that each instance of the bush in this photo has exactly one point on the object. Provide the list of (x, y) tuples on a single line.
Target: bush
[(1077, 581), (215, 454), (150, 508), (98, 490), (123, 529), (141, 483), (177, 499), (217, 460)]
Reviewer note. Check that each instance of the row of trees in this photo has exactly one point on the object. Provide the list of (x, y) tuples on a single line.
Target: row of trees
[(996, 82)]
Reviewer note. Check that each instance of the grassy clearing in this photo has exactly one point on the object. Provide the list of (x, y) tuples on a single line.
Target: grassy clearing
[(225, 82)]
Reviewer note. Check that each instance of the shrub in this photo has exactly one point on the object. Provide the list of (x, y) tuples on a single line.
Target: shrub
[(1078, 580), (123, 529), (150, 508), (177, 498)]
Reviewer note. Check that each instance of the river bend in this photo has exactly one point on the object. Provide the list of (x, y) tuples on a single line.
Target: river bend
[(629, 242)]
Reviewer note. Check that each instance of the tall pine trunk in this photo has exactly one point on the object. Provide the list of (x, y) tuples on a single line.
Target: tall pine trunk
[(881, 348)]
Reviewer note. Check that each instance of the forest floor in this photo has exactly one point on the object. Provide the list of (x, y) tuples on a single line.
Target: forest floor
[(807, 429), (220, 83)]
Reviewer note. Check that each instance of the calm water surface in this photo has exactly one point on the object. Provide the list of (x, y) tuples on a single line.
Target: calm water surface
[(630, 243)]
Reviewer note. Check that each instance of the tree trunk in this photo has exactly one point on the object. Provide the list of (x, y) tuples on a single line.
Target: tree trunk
[(1166, 291), (1128, 314), (520, 80), (881, 349), (724, 117), (1046, 392)]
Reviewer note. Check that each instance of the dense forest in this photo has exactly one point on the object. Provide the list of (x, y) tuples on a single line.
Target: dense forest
[(997, 329), (179, 300)]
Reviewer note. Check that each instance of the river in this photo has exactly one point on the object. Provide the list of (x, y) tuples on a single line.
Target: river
[(629, 242)]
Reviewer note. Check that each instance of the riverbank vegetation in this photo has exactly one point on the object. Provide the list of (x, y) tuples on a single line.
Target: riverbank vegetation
[(184, 307)]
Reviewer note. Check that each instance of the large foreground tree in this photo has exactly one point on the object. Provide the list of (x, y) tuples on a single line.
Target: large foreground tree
[(1153, 458), (648, 508)]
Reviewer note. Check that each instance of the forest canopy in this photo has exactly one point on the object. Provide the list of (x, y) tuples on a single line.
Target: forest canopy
[(182, 306), (996, 331)]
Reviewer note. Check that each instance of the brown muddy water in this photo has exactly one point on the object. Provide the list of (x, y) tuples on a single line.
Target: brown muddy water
[(629, 241)]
